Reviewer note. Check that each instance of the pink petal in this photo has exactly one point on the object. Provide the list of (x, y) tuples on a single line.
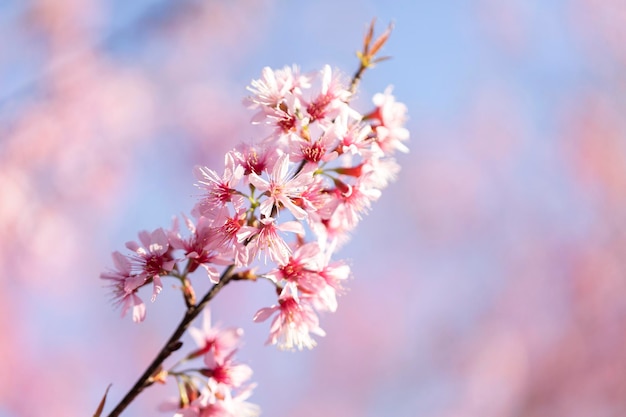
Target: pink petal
[(264, 313)]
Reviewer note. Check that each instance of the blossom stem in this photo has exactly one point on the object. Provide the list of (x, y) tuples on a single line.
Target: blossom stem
[(172, 344), (357, 77)]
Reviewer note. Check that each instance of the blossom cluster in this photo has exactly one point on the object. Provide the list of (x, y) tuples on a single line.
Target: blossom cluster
[(220, 387), (315, 174), (278, 210)]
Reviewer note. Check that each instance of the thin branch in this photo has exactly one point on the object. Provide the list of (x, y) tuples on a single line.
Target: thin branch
[(172, 344), (367, 57)]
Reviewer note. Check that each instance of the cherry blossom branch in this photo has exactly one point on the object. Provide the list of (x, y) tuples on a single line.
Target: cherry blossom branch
[(343, 158), (173, 343)]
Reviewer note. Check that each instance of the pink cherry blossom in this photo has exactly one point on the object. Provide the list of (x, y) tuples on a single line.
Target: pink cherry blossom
[(237, 405), (350, 204), (274, 85), (265, 239), (332, 97), (200, 247), (214, 341), (354, 137), (255, 158), (220, 403), (294, 323), (224, 371), (225, 234), (316, 199), (314, 151), (119, 278), (219, 190), (379, 172), (282, 188), (153, 259), (333, 273), (302, 269), (391, 118), (285, 119)]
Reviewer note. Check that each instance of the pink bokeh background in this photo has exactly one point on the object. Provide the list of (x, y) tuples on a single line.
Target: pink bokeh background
[(488, 280)]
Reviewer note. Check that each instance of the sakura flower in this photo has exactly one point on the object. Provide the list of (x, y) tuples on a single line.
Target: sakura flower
[(317, 279), (265, 238), (224, 246), (294, 323), (315, 151), (277, 95), (255, 158), (354, 138), (390, 117), (218, 343), (225, 237), (285, 118), (224, 371), (333, 274), (128, 299), (350, 202), (200, 246), (315, 199), (379, 172), (302, 269), (282, 188), (327, 231), (274, 85), (237, 405), (332, 97), (220, 403), (219, 190), (153, 259)]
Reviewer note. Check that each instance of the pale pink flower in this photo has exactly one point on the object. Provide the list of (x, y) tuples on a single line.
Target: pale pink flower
[(354, 138), (220, 190), (119, 278), (255, 158), (224, 371), (153, 259), (315, 198), (379, 172), (294, 323), (213, 341), (277, 95), (390, 117), (218, 403), (350, 202), (315, 151), (302, 269), (285, 119), (274, 85), (269, 90), (332, 97), (282, 188), (333, 275), (225, 228), (265, 238), (327, 231), (237, 405), (200, 247), (317, 280)]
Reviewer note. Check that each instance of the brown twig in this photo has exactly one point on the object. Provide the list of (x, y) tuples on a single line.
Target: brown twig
[(172, 344), (367, 57)]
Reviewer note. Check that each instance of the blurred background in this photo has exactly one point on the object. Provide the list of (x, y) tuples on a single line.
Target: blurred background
[(489, 280)]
